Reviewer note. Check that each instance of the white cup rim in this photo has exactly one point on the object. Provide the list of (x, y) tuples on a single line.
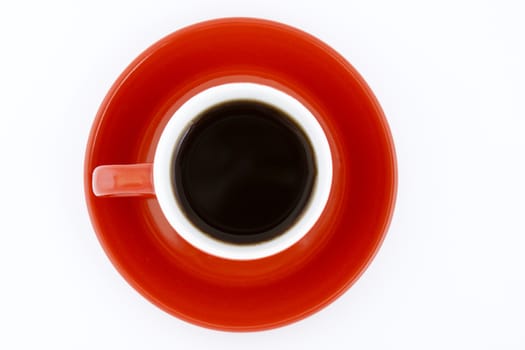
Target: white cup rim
[(173, 133)]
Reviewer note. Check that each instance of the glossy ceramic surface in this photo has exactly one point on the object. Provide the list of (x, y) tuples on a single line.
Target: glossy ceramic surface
[(273, 291)]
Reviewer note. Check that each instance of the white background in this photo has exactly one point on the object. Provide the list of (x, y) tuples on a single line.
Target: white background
[(450, 76)]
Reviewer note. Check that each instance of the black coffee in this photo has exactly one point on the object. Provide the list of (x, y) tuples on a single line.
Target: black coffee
[(243, 172)]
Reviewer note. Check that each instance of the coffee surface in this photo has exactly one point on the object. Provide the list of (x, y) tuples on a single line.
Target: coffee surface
[(243, 172)]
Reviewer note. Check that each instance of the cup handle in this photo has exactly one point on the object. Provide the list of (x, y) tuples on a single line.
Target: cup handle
[(123, 180)]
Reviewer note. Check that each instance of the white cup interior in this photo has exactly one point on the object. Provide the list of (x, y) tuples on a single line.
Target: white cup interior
[(175, 130)]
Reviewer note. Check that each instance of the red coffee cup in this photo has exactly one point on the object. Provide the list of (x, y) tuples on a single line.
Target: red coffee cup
[(134, 206)]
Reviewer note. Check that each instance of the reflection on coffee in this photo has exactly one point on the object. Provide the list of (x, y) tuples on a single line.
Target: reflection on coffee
[(243, 172)]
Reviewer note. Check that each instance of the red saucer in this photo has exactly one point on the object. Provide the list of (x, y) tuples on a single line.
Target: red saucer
[(274, 291)]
